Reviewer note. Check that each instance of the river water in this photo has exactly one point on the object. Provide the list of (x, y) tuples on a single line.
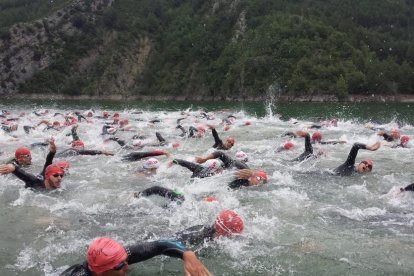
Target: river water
[(300, 223)]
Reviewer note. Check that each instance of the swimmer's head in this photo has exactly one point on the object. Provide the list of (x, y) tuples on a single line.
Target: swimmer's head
[(56, 124), (288, 145), (137, 143), (105, 254), (175, 145), (151, 164), (395, 134), (317, 136), (124, 122), (404, 140), (111, 130), (64, 165), (364, 166), (226, 128), (242, 156), (257, 178), (53, 176), (105, 114), (116, 120), (201, 131), (228, 223), (116, 114), (229, 143), (23, 156), (334, 122), (78, 144)]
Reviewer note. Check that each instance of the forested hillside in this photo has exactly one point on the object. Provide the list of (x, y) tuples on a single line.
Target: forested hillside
[(207, 49)]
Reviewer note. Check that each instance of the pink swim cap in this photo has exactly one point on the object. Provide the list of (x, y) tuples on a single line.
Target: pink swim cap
[(104, 254), (228, 223)]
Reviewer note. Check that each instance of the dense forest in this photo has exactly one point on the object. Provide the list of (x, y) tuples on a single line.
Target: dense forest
[(218, 49)]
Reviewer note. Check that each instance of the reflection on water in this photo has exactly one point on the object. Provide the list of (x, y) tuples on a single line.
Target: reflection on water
[(301, 222)]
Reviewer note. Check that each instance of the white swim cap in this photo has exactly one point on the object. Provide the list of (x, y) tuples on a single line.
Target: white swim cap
[(151, 163), (137, 143), (111, 130), (212, 166), (242, 156)]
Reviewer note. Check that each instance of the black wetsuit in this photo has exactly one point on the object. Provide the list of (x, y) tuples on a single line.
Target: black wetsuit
[(162, 141), (75, 152), (348, 167), (196, 235), (387, 137), (409, 188), (197, 169), (161, 191), (238, 183), (228, 161), (33, 181), (218, 143), (136, 253), (135, 156), (308, 150)]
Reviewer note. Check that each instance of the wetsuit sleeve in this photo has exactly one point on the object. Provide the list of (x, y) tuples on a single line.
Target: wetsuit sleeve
[(238, 183), (217, 140), (195, 235), (182, 129), (135, 156), (119, 141), (29, 179), (409, 187), (75, 136), (161, 191), (387, 137), (227, 160), (160, 138), (192, 130), (189, 165), (49, 161), (147, 250), (308, 150), (90, 152), (349, 166)]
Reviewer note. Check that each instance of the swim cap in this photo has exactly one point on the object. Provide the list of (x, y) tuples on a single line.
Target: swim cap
[(228, 223), (124, 122), (260, 176), (116, 120), (89, 114), (334, 122), (116, 114), (226, 128), (316, 136), (210, 199), (104, 254), (56, 124), (242, 156), (230, 140), (395, 133), (63, 164), (111, 130), (21, 151), (201, 129), (137, 143), (247, 123), (175, 145), (78, 144), (105, 114), (212, 166), (288, 145), (404, 139), (52, 169), (151, 163), (368, 162)]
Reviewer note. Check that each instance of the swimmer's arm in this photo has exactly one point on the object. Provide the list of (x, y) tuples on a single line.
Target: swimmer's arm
[(94, 152), (24, 176)]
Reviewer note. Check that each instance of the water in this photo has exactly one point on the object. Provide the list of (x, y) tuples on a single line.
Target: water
[(299, 223)]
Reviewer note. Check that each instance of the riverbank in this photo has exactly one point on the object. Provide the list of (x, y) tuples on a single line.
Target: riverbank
[(402, 98)]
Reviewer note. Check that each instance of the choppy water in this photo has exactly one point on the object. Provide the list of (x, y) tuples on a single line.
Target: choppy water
[(299, 223)]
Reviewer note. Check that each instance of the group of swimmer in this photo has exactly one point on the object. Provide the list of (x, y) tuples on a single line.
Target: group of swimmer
[(108, 257)]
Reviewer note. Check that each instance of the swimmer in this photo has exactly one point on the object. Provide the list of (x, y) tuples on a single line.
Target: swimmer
[(136, 156), (218, 143), (228, 162), (246, 178), (163, 192), (209, 168), (348, 168), (107, 257)]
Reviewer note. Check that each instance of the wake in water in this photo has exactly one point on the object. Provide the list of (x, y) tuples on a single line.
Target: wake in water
[(152, 175)]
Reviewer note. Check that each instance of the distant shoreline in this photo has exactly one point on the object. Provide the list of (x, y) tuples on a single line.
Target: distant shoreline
[(401, 98)]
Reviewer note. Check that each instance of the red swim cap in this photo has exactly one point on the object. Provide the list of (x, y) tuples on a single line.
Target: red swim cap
[(123, 122), (63, 164), (260, 175), (104, 254), (175, 145), (201, 129), (228, 223), (404, 139), (78, 144), (288, 145), (116, 120), (116, 114), (317, 136), (210, 199), (230, 140), (395, 133), (21, 151), (247, 123), (52, 169), (105, 114), (56, 124), (226, 128)]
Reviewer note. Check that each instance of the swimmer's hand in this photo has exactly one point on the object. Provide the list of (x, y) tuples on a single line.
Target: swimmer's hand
[(301, 133), (52, 145), (210, 126), (193, 266), (7, 168), (200, 159), (373, 147)]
